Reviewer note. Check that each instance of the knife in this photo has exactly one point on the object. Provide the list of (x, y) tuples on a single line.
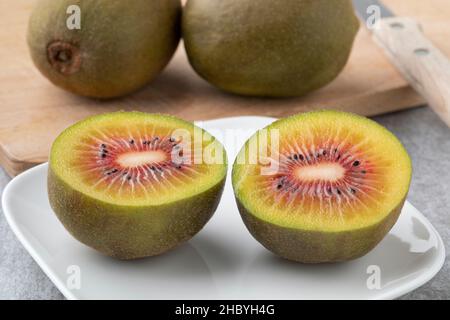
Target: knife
[(421, 63)]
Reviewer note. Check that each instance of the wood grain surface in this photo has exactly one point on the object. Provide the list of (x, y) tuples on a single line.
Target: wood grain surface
[(33, 112)]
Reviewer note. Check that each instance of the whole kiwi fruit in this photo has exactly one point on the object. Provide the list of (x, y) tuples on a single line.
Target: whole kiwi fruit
[(117, 48), (266, 47)]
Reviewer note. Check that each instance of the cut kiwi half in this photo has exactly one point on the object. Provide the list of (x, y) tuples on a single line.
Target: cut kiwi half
[(132, 185), (331, 189)]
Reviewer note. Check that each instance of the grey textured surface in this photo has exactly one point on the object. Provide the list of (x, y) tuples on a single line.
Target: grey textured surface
[(424, 135)]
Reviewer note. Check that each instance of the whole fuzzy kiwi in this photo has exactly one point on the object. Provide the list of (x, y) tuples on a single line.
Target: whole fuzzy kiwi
[(119, 47), (266, 47)]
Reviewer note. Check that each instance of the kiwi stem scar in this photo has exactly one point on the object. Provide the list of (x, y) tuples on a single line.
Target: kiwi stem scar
[(64, 57)]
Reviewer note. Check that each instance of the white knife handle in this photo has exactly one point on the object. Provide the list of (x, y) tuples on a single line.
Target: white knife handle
[(423, 65)]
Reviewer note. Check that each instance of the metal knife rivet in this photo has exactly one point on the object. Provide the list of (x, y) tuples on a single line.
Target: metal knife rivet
[(397, 25), (422, 52)]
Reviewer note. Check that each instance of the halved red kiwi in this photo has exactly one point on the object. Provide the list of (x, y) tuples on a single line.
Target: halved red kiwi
[(338, 188), (132, 184)]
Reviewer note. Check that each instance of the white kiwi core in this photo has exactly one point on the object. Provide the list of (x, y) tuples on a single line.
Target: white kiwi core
[(137, 159), (320, 172)]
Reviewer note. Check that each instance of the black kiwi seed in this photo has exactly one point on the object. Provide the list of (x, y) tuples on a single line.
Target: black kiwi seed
[(324, 152), (172, 139), (301, 157), (338, 191), (129, 178), (338, 157), (356, 163), (131, 141), (279, 186), (352, 190), (364, 172), (103, 155), (103, 146), (153, 168), (295, 156)]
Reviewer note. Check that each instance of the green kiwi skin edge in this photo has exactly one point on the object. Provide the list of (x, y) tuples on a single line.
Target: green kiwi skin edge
[(318, 247), (129, 232)]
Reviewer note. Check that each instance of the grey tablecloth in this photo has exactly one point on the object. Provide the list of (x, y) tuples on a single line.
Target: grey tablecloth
[(424, 135)]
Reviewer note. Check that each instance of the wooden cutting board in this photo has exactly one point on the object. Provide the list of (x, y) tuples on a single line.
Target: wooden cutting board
[(33, 112)]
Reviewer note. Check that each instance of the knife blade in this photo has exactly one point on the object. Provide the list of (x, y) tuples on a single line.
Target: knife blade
[(361, 7), (420, 62)]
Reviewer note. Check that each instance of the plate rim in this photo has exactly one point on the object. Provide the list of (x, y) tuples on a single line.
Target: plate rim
[(42, 263), (391, 294)]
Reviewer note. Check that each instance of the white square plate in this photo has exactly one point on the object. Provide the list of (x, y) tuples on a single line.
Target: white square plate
[(223, 261)]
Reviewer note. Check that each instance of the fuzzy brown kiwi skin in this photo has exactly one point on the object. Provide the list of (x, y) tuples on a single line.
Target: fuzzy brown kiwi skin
[(121, 46), (269, 48), (130, 232), (314, 246)]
